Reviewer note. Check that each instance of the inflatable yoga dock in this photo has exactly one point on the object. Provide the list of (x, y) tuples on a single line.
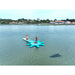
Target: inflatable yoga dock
[(33, 43)]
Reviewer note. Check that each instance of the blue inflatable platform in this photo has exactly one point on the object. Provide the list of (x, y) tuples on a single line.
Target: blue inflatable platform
[(32, 43)]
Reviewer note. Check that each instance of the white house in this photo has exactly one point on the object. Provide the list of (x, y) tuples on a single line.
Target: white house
[(68, 22), (73, 22), (52, 22), (59, 22)]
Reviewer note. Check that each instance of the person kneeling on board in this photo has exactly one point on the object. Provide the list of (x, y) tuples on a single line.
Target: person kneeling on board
[(26, 37)]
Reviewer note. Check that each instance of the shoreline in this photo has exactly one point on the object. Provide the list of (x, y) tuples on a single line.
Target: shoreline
[(38, 24)]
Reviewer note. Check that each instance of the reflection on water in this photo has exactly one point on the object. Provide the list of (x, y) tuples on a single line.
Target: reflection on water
[(59, 46)]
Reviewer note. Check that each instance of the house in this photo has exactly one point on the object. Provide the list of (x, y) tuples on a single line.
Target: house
[(59, 22), (73, 22), (52, 22), (20, 22), (12, 22), (68, 22)]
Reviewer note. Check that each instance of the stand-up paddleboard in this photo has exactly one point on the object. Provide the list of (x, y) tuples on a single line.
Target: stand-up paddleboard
[(33, 43), (24, 39), (27, 40)]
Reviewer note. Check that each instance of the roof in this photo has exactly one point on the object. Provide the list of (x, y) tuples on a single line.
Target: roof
[(59, 21)]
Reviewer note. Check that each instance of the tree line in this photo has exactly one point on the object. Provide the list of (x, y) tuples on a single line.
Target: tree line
[(31, 21)]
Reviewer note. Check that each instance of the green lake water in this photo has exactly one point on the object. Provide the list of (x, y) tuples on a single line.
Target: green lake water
[(59, 39)]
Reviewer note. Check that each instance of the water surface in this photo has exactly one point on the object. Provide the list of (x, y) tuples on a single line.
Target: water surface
[(59, 41)]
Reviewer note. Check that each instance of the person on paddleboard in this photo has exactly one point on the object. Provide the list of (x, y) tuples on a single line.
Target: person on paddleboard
[(26, 37)]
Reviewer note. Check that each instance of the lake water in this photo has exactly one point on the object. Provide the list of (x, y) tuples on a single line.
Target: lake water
[(59, 46)]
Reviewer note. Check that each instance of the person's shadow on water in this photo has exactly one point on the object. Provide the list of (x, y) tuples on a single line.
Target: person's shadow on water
[(55, 55)]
